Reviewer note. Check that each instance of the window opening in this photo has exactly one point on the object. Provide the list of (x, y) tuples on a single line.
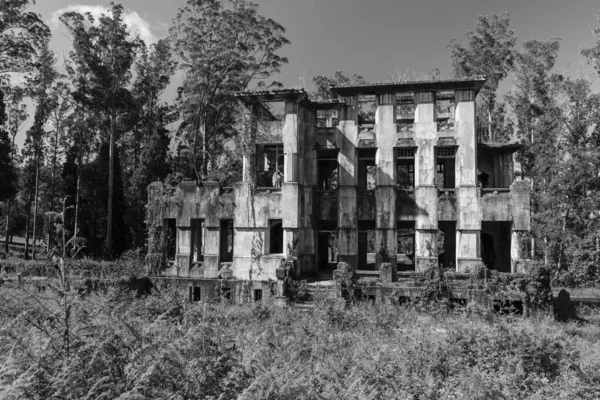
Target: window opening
[(405, 111), (226, 293), (196, 293), (170, 238), (270, 163), (275, 236), (405, 168), (258, 295), (445, 167), (197, 240), (328, 170), (367, 107), (366, 246), (226, 239), (447, 243), (406, 244), (367, 170)]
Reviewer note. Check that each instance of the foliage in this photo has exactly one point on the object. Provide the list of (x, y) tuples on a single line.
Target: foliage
[(323, 84), (222, 46), (489, 51), (8, 176), (22, 34), (161, 346), (104, 53)]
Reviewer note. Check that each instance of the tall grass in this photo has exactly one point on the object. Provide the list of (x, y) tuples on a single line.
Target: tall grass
[(161, 346)]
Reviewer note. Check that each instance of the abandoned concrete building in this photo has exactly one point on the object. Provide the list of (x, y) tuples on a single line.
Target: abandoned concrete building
[(389, 173)]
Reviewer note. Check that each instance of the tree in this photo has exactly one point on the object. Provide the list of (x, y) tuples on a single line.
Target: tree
[(537, 117), (38, 87), (149, 141), (222, 46), (323, 84), (22, 35), (8, 176), (489, 51), (593, 53), (16, 115), (106, 51)]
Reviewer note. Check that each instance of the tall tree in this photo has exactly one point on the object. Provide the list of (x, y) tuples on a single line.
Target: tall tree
[(8, 176), (149, 141), (38, 88), (489, 51), (16, 115), (22, 35), (107, 52), (537, 117), (222, 46)]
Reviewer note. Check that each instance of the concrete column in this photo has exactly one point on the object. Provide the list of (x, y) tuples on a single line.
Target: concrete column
[(347, 196), (426, 193), (467, 193), (385, 192), (291, 134)]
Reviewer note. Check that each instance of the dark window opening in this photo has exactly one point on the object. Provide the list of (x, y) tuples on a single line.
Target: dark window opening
[(447, 244), (258, 293), (496, 244), (226, 239), (406, 245), (170, 238), (327, 165), (197, 240), (445, 175), (196, 293), (367, 170), (269, 165), (275, 236), (366, 246), (405, 168), (226, 293)]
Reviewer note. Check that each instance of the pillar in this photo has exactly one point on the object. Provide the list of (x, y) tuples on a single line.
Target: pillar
[(347, 195), (468, 224), (426, 193), (385, 192)]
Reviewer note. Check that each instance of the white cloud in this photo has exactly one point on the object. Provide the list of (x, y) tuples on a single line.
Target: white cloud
[(138, 26)]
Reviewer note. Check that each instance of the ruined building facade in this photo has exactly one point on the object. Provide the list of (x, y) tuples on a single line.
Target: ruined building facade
[(389, 173)]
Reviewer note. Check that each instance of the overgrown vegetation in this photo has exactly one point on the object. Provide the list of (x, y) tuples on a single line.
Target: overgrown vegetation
[(162, 346)]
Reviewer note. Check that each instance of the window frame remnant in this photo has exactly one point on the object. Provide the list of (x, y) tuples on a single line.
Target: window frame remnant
[(226, 231), (326, 159), (367, 170), (269, 169), (198, 240), (445, 167), (170, 238), (405, 168)]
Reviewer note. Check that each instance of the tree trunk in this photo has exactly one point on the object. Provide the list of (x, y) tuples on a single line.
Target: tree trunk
[(6, 231), (204, 151), (12, 162), (110, 184), (35, 208), (28, 208)]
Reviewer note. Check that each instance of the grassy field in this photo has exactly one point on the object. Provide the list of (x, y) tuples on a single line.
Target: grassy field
[(57, 344)]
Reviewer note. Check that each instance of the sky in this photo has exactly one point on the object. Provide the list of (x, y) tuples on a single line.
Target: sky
[(378, 39)]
